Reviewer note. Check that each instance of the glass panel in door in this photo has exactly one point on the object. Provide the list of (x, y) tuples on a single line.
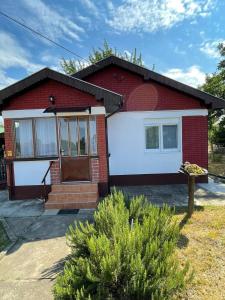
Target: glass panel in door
[(64, 135), (73, 137), (83, 145)]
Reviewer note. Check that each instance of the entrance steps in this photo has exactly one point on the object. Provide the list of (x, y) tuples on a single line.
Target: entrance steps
[(73, 196)]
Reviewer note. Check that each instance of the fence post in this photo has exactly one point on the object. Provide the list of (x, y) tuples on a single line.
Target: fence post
[(191, 191)]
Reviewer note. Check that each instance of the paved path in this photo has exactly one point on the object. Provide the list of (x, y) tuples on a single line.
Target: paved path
[(29, 269)]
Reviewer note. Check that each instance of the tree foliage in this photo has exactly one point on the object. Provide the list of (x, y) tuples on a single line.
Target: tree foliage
[(127, 253), (215, 85), (72, 66)]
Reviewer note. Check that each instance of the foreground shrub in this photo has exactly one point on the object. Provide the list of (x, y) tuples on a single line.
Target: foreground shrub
[(127, 253)]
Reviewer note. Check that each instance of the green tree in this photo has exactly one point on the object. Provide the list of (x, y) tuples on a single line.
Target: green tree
[(72, 66), (215, 85)]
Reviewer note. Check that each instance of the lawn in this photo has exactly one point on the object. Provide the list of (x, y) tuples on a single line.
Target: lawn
[(217, 163), (4, 241), (203, 245)]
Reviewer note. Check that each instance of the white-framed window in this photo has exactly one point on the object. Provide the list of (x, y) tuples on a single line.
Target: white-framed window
[(162, 136)]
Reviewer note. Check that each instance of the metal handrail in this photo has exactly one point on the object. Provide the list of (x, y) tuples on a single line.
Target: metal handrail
[(44, 181)]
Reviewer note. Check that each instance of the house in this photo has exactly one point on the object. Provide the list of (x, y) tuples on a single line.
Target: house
[(112, 123)]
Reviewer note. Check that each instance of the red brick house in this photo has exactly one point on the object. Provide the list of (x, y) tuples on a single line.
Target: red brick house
[(114, 123)]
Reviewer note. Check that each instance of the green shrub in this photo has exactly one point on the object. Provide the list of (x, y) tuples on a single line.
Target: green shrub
[(127, 253)]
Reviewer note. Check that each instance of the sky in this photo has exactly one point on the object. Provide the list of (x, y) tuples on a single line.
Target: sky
[(178, 37)]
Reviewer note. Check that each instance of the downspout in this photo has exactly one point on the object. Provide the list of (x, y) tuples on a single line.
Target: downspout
[(106, 137)]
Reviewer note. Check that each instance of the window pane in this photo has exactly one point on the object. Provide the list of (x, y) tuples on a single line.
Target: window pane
[(24, 138), (152, 137), (73, 137), (83, 136), (64, 147), (170, 137), (45, 134), (93, 136)]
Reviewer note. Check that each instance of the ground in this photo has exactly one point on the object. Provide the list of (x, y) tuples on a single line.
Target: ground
[(3, 237), (202, 244), (29, 268), (217, 163)]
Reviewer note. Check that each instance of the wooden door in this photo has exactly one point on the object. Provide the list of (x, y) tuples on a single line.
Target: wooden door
[(75, 161)]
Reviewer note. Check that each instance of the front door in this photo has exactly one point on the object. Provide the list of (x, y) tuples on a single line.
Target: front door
[(75, 162)]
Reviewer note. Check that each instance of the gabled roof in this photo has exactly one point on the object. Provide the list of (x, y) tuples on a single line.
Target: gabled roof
[(209, 100), (111, 100)]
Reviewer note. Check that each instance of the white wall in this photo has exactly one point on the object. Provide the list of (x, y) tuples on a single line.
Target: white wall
[(30, 172), (126, 136)]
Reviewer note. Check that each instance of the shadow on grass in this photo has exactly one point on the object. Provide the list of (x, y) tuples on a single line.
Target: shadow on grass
[(183, 240)]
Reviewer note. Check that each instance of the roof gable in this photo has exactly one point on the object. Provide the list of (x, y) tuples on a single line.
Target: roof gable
[(111, 100), (208, 99)]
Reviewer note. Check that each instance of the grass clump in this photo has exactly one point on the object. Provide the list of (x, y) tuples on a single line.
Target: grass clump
[(127, 253)]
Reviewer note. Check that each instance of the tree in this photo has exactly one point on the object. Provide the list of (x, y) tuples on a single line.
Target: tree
[(72, 66), (215, 85)]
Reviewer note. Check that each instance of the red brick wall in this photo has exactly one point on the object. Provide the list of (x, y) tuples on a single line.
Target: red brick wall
[(95, 170), (55, 173), (37, 97), (140, 95), (102, 150), (195, 140), (9, 138)]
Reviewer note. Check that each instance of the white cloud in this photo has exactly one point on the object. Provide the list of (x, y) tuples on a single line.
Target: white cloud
[(90, 5), (152, 15), (13, 55), (5, 80), (192, 76), (210, 48)]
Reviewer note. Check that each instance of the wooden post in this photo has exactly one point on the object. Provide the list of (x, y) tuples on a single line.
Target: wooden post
[(191, 191)]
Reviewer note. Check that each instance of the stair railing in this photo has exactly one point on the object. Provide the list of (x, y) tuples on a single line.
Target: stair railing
[(44, 181)]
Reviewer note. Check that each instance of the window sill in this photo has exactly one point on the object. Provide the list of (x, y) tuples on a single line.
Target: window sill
[(159, 151), (35, 158)]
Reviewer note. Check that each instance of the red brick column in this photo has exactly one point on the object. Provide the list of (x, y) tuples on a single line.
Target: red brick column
[(55, 173), (102, 154), (94, 169)]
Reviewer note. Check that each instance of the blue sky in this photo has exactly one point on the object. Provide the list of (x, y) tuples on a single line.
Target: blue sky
[(178, 36)]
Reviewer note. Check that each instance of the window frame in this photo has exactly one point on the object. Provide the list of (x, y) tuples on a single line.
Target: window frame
[(160, 125), (34, 156), (76, 118)]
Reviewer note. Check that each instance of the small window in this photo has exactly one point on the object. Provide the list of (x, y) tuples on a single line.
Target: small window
[(152, 137), (170, 140), (24, 138)]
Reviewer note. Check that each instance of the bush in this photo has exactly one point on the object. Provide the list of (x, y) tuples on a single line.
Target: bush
[(127, 253)]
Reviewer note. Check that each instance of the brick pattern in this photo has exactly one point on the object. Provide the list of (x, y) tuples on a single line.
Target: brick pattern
[(95, 170), (9, 138), (55, 173), (37, 97), (101, 144), (140, 95), (195, 140)]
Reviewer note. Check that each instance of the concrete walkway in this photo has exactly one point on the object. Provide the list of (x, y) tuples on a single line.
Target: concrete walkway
[(29, 269)]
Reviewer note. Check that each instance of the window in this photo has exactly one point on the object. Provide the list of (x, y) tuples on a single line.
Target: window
[(170, 137), (78, 136), (93, 136), (152, 137), (24, 138), (45, 137), (35, 137), (161, 137)]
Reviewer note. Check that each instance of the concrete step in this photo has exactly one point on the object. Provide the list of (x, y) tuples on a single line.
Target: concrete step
[(70, 205), (76, 188), (72, 197)]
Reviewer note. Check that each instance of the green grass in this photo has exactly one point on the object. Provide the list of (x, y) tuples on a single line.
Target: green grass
[(4, 241)]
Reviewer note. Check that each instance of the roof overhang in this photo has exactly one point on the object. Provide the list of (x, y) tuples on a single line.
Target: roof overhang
[(209, 100), (110, 99)]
